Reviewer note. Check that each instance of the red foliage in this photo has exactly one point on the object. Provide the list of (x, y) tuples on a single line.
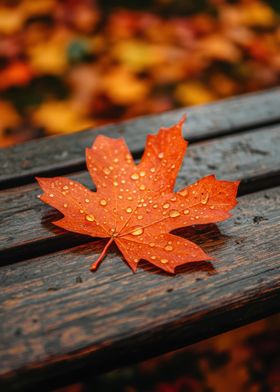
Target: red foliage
[(135, 205)]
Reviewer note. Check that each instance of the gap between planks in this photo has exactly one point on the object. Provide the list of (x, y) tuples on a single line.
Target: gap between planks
[(233, 115), (94, 323), (26, 222)]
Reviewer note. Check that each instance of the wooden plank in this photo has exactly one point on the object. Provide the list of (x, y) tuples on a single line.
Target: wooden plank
[(65, 154), (57, 317), (251, 157)]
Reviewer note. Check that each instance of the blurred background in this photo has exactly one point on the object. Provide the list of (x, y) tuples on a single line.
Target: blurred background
[(67, 65), (243, 360)]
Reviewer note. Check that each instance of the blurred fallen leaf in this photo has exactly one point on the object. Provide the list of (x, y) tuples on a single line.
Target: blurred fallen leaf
[(123, 87), (17, 73), (60, 117), (193, 93)]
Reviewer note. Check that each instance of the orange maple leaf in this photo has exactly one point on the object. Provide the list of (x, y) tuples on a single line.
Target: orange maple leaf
[(135, 205)]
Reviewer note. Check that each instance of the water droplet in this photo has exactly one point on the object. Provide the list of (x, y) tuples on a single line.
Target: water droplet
[(65, 205), (115, 183), (82, 211), (174, 213), (87, 200), (152, 170), (137, 231), (173, 198), (130, 198), (166, 205), (152, 244), (129, 209), (103, 202), (169, 248), (116, 160), (204, 198), (160, 155), (212, 207), (142, 187), (135, 176), (51, 195), (155, 206), (197, 217), (106, 170), (186, 211), (142, 173), (65, 187), (120, 197), (163, 261), (184, 192), (140, 217), (153, 257), (90, 218), (123, 181)]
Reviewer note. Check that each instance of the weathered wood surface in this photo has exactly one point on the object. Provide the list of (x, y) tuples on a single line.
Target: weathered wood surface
[(57, 317), (250, 157), (65, 154)]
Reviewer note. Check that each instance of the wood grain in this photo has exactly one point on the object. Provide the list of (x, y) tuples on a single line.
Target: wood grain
[(57, 317), (65, 154), (250, 157)]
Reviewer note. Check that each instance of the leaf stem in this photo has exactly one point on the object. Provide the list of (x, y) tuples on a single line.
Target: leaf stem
[(101, 256)]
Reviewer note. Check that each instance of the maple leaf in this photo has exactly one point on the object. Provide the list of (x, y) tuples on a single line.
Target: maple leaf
[(135, 205)]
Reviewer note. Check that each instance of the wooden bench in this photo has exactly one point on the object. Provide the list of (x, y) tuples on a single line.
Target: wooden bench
[(58, 320)]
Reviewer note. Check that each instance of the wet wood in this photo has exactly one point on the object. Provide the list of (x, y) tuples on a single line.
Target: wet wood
[(250, 157), (65, 154), (58, 318)]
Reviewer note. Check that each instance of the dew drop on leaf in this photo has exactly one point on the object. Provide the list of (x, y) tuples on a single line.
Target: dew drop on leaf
[(137, 231), (135, 176), (174, 213), (90, 218), (204, 198)]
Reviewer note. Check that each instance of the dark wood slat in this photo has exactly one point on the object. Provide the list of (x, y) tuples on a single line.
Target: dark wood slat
[(252, 157), (65, 154), (57, 317)]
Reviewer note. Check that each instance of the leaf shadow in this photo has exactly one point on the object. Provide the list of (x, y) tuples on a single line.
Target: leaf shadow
[(208, 236)]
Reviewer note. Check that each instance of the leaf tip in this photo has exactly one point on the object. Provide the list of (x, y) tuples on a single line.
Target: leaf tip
[(182, 120)]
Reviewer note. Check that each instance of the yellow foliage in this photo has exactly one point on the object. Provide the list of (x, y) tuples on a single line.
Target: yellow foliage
[(60, 117), (48, 57), (123, 88), (193, 93), (8, 116), (258, 14), (138, 55), (11, 20)]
